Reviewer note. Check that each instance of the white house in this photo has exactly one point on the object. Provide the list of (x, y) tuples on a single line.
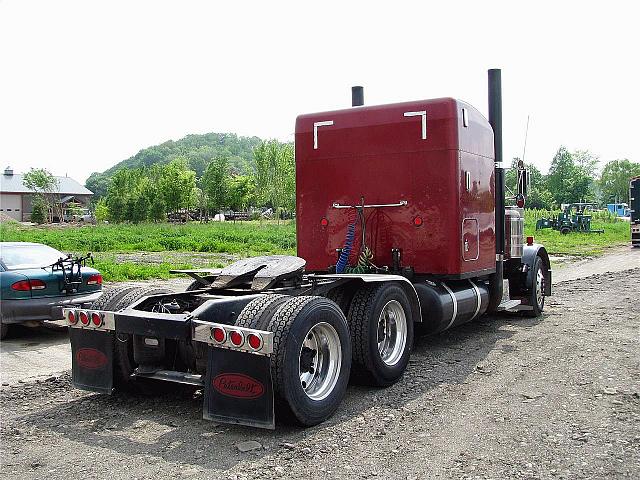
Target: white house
[(15, 198)]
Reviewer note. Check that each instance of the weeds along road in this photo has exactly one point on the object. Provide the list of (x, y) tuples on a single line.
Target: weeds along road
[(555, 397)]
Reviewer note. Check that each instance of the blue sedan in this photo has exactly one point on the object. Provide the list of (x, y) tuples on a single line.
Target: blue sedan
[(36, 281)]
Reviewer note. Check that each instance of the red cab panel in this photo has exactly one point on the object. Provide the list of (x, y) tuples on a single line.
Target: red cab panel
[(434, 157)]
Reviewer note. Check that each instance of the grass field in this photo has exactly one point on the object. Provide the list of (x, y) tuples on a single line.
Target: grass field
[(616, 232), (105, 241), (116, 247)]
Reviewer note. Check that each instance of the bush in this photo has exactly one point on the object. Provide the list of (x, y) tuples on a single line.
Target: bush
[(102, 211), (38, 210)]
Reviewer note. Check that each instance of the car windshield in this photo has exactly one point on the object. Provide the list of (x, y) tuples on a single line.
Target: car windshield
[(16, 257)]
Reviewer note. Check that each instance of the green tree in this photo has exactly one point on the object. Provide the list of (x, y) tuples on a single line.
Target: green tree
[(568, 182), (215, 184), (586, 161), (275, 174), (46, 186), (614, 181), (242, 190), (141, 207), (177, 183)]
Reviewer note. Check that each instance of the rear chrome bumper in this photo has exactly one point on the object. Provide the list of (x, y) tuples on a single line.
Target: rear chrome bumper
[(41, 309)]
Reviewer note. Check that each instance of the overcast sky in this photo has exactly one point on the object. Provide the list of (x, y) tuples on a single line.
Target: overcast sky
[(86, 84)]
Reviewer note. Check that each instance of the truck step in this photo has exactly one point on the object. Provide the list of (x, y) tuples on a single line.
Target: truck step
[(508, 305), (172, 376)]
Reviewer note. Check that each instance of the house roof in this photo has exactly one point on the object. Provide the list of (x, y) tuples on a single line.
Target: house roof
[(14, 184)]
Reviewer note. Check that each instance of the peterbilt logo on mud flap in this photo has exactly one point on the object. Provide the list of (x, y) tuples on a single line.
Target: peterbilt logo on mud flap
[(91, 358), (238, 385)]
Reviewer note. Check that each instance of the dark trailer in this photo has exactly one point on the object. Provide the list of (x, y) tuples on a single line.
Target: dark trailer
[(402, 230), (634, 200)]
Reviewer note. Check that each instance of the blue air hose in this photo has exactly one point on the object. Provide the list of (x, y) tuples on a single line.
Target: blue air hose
[(346, 251)]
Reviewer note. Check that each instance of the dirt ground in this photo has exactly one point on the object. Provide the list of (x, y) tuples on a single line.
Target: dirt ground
[(506, 397)]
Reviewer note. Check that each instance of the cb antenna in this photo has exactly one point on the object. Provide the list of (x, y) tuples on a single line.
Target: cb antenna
[(526, 134)]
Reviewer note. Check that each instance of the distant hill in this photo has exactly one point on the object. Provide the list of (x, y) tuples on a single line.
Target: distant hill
[(199, 150)]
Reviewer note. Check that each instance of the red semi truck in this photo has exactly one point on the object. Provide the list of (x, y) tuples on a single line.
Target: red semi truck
[(402, 229)]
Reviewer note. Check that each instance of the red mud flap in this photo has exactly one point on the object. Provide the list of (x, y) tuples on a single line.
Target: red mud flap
[(92, 361)]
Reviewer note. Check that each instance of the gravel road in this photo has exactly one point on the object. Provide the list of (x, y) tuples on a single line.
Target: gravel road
[(554, 397)]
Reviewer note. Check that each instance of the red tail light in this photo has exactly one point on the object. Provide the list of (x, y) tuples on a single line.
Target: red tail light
[(529, 241), (72, 318), (236, 338), (95, 279), (218, 334), (254, 341), (96, 319), (27, 285), (84, 318)]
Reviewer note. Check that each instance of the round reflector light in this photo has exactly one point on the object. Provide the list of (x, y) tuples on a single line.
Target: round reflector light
[(417, 221), (84, 318), (324, 222), (254, 341), (72, 317), (520, 201), (218, 334), (236, 338), (96, 319)]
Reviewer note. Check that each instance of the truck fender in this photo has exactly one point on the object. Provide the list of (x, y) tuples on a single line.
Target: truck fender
[(529, 254), (403, 282)]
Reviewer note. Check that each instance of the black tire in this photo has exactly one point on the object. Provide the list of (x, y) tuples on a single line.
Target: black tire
[(258, 312), (108, 300), (123, 362), (565, 230), (291, 324), (366, 308), (4, 329), (343, 295), (195, 285), (536, 289)]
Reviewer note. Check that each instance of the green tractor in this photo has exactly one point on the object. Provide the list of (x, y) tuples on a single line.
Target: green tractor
[(568, 222)]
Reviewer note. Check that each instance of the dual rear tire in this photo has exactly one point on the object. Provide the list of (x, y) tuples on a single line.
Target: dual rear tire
[(311, 359), (382, 332), (315, 347)]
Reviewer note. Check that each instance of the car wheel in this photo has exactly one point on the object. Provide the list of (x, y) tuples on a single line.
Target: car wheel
[(4, 329)]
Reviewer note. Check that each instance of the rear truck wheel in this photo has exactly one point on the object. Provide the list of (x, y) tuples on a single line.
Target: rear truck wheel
[(342, 296), (4, 329), (195, 285), (311, 358), (565, 230), (381, 333), (108, 300), (258, 312), (123, 361), (537, 289)]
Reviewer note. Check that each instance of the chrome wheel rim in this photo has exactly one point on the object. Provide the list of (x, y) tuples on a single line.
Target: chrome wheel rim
[(540, 289), (320, 361), (392, 332)]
